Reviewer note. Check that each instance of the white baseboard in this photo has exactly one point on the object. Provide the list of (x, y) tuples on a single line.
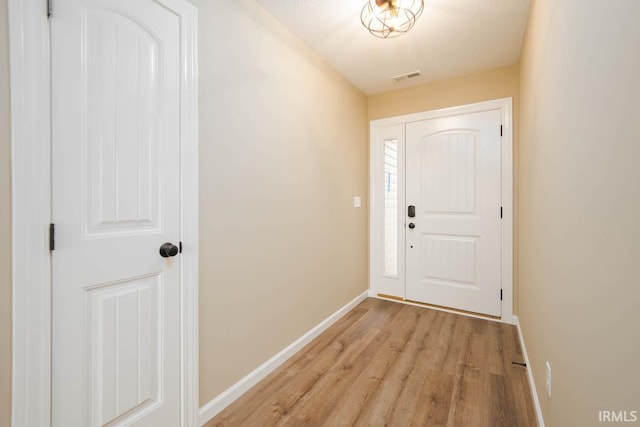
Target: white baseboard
[(532, 383), (227, 397)]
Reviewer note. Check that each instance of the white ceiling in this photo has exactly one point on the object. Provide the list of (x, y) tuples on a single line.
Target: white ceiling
[(451, 38)]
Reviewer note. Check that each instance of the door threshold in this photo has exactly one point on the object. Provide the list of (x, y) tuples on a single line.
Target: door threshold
[(441, 308)]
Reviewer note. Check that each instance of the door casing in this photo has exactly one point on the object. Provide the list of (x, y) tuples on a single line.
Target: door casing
[(31, 211), (378, 128)]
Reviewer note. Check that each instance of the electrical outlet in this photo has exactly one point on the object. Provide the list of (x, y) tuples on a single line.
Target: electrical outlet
[(548, 376), (357, 202)]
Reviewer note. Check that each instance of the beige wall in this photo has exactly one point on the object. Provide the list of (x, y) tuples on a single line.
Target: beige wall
[(580, 206), (492, 84), (482, 86), (283, 150), (5, 224)]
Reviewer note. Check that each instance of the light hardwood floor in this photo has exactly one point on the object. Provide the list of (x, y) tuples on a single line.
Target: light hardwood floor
[(392, 364)]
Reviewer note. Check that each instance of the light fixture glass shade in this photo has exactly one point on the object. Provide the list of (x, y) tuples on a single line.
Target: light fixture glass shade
[(390, 18)]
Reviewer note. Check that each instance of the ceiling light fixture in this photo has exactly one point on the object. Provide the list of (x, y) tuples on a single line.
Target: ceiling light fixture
[(390, 18)]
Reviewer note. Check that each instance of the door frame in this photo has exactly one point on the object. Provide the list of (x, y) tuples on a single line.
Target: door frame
[(505, 105), (29, 41)]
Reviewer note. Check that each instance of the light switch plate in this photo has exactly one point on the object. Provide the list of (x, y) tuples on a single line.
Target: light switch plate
[(357, 201)]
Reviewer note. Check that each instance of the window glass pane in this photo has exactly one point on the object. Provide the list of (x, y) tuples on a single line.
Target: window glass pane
[(390, 208)]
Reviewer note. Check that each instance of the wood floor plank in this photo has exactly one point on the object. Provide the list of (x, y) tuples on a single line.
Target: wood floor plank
[(374, 360), (503, 401), (469, 402), (434, 401), (394, 393), (387, 363), (313, 360)]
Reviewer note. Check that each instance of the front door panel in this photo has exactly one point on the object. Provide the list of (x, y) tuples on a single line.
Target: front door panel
[(453, 244)]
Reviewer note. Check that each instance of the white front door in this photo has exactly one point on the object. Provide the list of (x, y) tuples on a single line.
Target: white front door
[(453, 243), (116, 200)]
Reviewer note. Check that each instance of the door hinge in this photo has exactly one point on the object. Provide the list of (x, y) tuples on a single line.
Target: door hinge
[(49, 8), (52, 237), (500, 294), (500, 212), (180, 246), (500, 130)]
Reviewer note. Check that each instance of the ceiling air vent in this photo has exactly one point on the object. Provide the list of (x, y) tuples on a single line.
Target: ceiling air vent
[(407, 76)]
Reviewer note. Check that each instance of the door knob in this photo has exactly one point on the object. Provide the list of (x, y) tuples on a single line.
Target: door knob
[(412, 225), (168, 250)]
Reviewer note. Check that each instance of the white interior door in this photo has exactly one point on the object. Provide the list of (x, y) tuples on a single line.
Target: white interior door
[(116, 200), (453, 178)]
